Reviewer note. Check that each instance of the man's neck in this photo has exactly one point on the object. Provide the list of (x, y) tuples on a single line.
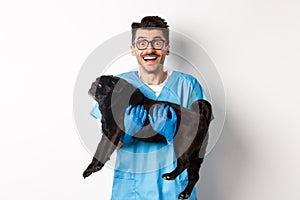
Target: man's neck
[(153, 78)]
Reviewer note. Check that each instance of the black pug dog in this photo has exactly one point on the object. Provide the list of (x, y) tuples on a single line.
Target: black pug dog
[(114, 95)]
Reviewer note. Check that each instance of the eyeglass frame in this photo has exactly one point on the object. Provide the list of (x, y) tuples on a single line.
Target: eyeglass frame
[(148, 42)]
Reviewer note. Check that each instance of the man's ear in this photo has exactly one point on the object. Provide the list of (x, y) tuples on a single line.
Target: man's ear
[(132, 50), (168, 49)]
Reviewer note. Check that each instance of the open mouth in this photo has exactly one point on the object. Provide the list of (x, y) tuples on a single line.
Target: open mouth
[(150, 58)]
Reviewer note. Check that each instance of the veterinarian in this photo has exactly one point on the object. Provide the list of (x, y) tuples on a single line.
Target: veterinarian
[(140, 165)]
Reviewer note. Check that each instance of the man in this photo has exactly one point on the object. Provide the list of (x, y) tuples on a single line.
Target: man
[(140, 165)]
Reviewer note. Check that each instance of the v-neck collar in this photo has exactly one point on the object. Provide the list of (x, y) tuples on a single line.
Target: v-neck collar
[(151, 94)]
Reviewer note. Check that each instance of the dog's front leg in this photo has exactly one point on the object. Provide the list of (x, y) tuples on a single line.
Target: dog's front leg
[(104, 150), (93, 167)]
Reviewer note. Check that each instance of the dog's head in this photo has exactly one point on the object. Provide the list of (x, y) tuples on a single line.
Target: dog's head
[(103, 87), (114, 91)]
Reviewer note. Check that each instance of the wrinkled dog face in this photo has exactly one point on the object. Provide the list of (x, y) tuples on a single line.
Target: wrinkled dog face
[(102, 88)]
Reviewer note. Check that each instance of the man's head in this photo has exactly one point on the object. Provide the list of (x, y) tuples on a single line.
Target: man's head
[(150, 43), (151, 22)]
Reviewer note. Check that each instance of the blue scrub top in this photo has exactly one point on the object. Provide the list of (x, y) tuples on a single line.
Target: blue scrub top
[(139, 166)]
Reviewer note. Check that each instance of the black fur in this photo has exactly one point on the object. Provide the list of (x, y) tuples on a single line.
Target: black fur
[(188, 138)]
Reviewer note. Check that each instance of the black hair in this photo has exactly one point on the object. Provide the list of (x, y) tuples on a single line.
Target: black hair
[(151, 22)]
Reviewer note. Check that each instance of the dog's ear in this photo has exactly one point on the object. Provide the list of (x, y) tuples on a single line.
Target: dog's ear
[(118, 84), (114, 79)]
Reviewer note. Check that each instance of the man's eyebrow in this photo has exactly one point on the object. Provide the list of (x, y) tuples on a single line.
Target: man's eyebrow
[(157, 37), (141, 37)]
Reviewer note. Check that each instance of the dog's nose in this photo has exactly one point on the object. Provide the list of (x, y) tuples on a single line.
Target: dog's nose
[(92, 91), (94, 86)]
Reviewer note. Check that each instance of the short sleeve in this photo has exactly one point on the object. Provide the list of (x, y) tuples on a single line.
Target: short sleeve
[(196, 92), (95, 112)]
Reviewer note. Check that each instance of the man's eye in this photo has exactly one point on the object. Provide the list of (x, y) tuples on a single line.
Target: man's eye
[(157, 43), (142, 43)]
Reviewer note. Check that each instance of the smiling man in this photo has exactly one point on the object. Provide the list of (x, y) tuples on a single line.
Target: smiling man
[(151, 59), (140, 165)]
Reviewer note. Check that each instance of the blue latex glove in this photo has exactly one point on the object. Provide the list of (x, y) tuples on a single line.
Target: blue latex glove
[(133, 122), (162, 124)]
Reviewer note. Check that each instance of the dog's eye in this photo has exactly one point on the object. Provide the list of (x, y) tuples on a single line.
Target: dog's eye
[(99, 85)]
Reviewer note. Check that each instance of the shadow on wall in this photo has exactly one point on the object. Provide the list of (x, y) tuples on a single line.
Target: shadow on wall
[(223, 167)]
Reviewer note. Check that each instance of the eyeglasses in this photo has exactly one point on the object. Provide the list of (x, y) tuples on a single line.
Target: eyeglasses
[(157, 44)]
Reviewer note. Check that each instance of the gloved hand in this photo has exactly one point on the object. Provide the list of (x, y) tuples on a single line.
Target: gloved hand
[(162, 124), (133, 122)]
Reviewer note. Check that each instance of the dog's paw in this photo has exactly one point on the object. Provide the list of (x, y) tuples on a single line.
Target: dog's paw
[(183, 196), (93, 167), (168, 176), (87, 173)]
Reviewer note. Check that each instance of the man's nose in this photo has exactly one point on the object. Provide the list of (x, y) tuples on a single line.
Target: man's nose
[(149, 48)]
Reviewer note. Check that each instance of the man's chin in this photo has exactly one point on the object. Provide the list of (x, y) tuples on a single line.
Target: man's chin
[(152, 68)]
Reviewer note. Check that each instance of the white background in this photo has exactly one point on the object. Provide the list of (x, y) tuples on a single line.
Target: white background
[(255, 46)]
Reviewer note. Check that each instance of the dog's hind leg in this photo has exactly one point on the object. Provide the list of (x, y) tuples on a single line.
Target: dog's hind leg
[(182, 164), (193, 176), (203, 107)]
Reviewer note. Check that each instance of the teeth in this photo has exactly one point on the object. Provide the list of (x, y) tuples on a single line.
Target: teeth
[(149, 57)]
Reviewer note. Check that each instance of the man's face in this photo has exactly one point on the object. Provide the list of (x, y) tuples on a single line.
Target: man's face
[(150, 59)]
